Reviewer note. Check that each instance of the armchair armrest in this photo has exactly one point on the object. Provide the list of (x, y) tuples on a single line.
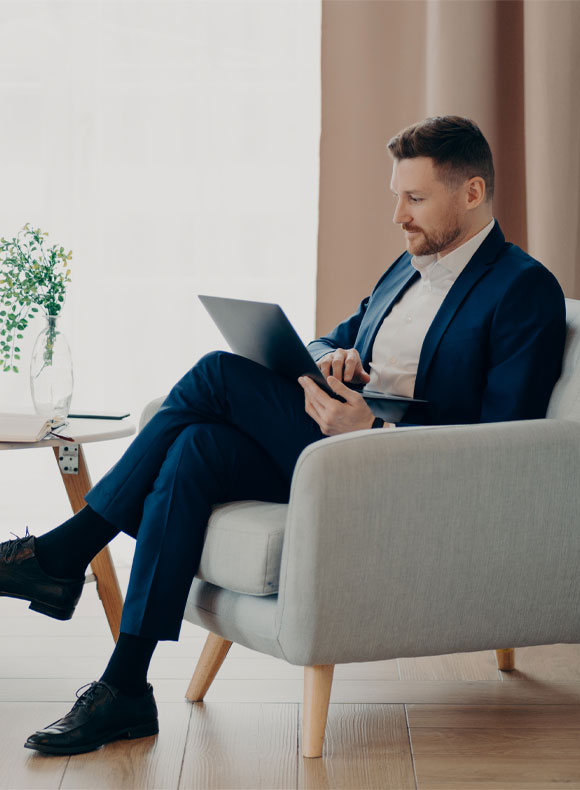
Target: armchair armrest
[(422, 542)]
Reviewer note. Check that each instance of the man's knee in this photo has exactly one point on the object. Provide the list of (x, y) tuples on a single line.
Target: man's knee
[(223, 371), (212, 359), (200, 380), (213, 364)]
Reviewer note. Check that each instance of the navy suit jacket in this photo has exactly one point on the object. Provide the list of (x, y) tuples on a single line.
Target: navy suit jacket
[(494, 349)]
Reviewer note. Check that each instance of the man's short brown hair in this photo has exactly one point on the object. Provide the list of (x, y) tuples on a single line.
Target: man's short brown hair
[(456, 145)]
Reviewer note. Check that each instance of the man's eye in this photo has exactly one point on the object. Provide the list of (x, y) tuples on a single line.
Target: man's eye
[(415, 199)]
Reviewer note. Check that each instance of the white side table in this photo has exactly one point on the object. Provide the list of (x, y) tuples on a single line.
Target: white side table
[(71, 461)]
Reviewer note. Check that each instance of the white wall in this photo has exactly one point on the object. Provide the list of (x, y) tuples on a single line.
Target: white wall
[(174, 147)]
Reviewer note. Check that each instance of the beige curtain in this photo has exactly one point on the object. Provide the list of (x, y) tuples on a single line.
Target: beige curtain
[(511, 65)]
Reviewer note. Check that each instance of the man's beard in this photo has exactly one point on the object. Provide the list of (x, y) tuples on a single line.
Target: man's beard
[(436, 241)]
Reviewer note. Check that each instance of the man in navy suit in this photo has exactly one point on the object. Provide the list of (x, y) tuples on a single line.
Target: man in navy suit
[(466, 322), (493, 348)]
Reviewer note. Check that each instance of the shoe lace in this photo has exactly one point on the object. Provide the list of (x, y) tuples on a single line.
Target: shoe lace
[(11, 546), (87, 697)]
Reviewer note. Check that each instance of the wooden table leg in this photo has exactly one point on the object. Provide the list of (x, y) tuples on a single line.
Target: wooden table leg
[(77, 485)]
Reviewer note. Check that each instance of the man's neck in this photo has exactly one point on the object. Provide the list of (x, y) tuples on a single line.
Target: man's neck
[(472, 231)]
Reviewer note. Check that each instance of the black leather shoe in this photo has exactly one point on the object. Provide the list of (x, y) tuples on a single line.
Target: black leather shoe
[(22, 577), (100, 715)]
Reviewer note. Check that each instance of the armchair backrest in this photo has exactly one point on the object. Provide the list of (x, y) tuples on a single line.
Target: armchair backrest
[(565, 401)]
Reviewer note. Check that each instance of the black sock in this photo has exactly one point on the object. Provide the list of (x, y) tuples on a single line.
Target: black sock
[(128, 666), (66, 550)]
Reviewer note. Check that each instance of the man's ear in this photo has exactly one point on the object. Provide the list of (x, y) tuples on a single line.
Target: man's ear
[(475, 193)]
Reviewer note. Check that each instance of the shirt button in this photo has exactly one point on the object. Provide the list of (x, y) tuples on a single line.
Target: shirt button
[(393, 360), (409, 319)]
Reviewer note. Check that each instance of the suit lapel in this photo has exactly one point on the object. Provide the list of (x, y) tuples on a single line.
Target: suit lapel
[(478, 267), (387, 293)]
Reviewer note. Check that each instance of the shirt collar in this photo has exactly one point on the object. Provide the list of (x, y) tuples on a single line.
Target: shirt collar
[(457, 260)]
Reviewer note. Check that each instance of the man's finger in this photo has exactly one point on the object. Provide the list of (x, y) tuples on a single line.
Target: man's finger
[(311, 409), (314, 392), (337, 366), (353, 369), (353, 366), (349, 368), (341, 389)]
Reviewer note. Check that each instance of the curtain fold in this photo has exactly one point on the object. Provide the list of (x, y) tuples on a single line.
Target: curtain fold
[(552, 123), (512, 66)]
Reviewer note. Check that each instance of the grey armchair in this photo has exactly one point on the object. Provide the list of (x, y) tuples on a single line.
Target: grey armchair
[(413, 542)]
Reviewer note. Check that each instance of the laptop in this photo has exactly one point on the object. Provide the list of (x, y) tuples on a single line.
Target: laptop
[(260, 331)]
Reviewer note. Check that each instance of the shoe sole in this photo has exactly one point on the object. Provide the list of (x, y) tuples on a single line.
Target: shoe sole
[(41, 607), (131, 733)]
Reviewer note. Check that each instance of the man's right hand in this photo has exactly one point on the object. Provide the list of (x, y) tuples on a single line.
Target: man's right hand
[(345, 365)]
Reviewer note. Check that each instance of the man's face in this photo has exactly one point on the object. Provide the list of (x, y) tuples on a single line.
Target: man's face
[(431, 214)]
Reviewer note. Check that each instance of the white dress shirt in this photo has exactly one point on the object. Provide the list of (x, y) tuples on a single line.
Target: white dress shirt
[(397, 346)]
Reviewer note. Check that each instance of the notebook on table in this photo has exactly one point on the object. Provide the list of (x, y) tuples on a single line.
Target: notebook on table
[(25, 427)]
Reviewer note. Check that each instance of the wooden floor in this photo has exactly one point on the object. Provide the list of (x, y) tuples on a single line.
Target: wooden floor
[(445, 722)]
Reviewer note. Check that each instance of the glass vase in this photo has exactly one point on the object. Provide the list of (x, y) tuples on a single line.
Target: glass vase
[(51, 371)]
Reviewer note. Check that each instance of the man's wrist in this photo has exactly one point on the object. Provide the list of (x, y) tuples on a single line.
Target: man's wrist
[(378, 422)]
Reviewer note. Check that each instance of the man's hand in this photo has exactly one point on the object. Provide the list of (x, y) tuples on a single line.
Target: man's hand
[(345, 365), (332, 415)]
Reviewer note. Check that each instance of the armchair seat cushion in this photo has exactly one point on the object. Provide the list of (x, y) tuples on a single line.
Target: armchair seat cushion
[(243, 547)]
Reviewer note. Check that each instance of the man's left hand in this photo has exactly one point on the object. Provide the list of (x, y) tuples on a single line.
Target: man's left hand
[(332, 415)]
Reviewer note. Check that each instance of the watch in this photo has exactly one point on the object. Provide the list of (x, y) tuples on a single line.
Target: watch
[(378, 422)]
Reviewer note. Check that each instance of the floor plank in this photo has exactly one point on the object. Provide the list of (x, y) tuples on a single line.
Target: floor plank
[(457, 666), (365, 746), (60, 643), (241, 746), (30, 625), (495, 758), (560, 663), (400, 692), (145, 763), (427, 741), (23, 768), (274, 690), (246, 668), (438, 773), (520, 717)]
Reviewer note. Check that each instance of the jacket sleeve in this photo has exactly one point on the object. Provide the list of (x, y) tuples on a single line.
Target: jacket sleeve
[(526, 345), (342, 336)]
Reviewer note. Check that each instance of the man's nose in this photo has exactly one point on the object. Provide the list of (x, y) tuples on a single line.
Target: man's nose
[(401, 215)]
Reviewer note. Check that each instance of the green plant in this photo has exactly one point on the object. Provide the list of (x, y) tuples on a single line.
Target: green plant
[(30, 277)]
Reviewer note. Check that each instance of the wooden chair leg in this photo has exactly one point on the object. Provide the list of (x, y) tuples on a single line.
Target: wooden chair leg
[(506, 659), (108, 589), (317, 687), (77, 485), (212, 657)]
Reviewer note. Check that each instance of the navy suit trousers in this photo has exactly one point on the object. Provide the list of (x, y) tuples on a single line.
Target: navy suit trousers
[(229, 429)]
